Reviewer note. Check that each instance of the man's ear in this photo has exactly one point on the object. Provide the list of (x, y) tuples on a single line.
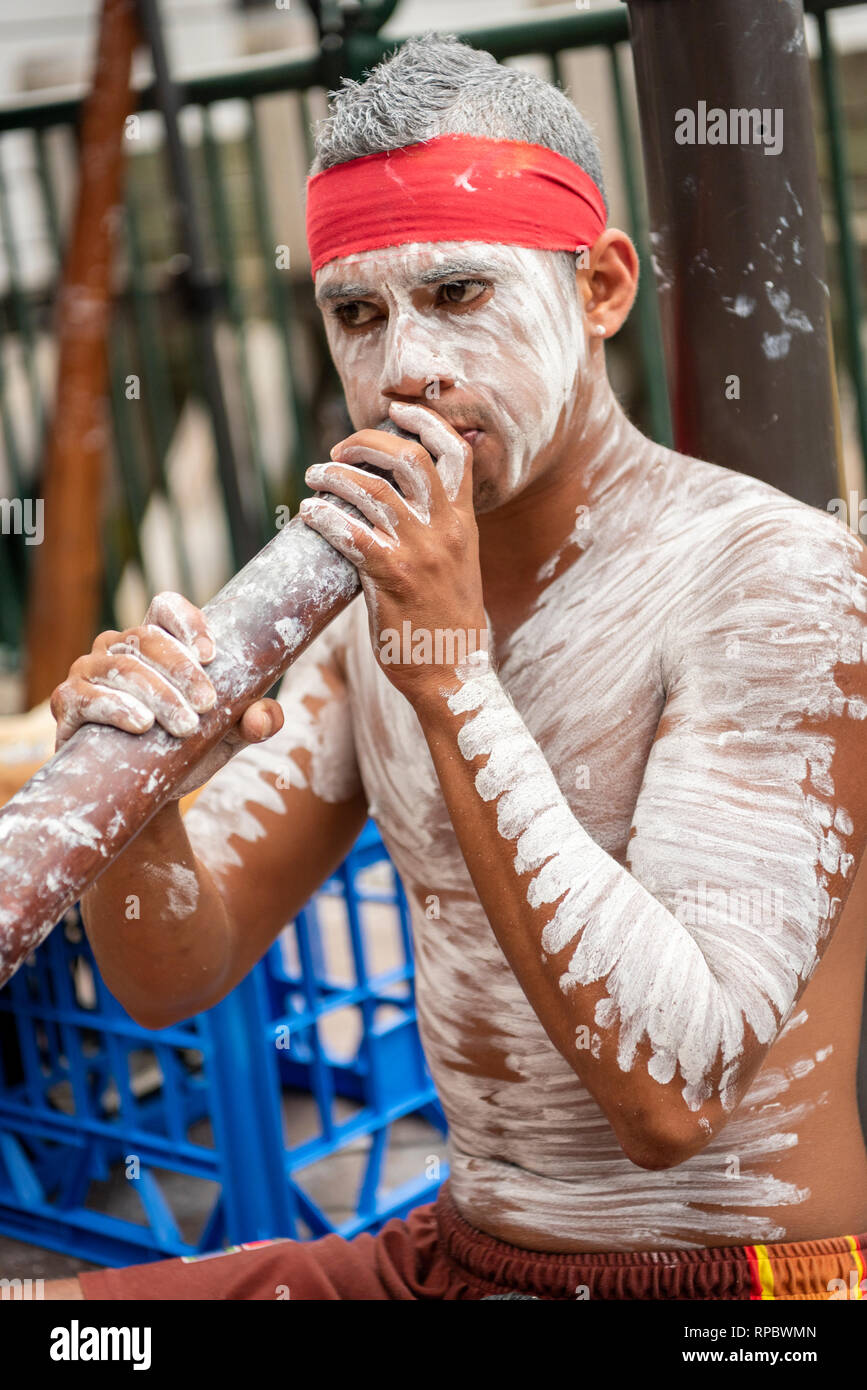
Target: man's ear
[(609, 283)]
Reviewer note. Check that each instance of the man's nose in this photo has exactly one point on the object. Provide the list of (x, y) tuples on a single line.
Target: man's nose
[(414, 366)]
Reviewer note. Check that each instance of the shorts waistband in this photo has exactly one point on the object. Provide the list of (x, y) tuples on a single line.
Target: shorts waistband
[(835, 1267)]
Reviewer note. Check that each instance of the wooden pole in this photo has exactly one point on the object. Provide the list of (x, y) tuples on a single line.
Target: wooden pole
[(64, 598), (736, 216)]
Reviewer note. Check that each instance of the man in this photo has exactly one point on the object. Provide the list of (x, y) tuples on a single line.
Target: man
[(633, 783)]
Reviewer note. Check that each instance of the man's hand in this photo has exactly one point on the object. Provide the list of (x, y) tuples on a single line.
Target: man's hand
[(155, 674), (419, 557)]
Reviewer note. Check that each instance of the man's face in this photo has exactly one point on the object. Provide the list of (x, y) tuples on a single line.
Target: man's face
[(491, 337)]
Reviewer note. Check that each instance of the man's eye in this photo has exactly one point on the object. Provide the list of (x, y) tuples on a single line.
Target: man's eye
[(462, 291), (355, 313)]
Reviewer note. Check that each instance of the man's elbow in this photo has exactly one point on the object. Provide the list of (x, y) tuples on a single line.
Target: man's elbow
[(663, 1142), (155, 1014), (155, 1020)]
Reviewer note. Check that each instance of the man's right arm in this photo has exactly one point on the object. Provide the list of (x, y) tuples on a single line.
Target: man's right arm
[(193, 902)]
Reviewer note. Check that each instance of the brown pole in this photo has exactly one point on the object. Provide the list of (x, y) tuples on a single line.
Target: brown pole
[(735, 211), (67, 571)]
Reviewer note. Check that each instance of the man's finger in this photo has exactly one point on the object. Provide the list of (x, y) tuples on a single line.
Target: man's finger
[(355, 541), (374, 497), (453, 454), (184, 621), (410, 464)]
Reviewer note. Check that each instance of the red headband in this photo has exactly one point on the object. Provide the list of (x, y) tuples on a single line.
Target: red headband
[(453, 188)]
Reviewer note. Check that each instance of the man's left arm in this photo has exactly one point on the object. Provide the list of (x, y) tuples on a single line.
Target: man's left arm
[(664, 983)]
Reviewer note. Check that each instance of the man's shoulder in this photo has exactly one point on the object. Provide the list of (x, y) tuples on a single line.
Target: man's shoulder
[(755, 560), (738, 525)]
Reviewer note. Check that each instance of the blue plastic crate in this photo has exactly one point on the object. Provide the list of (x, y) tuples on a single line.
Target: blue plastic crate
[(99, 1117)]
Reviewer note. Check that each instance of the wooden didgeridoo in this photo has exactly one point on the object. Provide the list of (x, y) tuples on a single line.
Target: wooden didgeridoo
[(85, 805)]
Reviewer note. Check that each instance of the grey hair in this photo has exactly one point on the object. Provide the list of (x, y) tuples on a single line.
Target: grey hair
[(436, 85)]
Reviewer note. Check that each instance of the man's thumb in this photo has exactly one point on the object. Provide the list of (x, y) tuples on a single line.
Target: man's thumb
[(260, 720)]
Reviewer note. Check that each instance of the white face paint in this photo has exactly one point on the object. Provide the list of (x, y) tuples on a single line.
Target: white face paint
[(507, 360)]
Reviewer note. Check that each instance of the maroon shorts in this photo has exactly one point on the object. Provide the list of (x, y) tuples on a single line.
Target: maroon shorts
[(435, 1254)]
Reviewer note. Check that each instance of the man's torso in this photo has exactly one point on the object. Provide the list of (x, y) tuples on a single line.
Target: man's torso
[(533, 1158)]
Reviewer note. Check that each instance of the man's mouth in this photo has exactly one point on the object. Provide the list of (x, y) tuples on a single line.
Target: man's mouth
[(473, 434)]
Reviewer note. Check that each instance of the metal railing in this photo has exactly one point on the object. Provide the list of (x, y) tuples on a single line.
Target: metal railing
[(153, 370)]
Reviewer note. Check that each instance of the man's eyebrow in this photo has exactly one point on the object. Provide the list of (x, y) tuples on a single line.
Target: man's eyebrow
[(344, 289), (466, 267), (347, 289)]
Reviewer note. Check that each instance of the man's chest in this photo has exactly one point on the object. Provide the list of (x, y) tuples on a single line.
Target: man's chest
[(584, 673)]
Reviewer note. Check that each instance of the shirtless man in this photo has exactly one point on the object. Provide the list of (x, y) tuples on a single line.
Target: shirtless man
[(641, 809)]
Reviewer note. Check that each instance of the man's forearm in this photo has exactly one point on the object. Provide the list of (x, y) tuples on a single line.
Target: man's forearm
[(158, 926), (569, 918)]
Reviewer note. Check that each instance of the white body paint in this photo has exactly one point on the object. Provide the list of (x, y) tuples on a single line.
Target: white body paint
[(227, 808), (689, 603), (681, 557), (179, 886), (690, 556)]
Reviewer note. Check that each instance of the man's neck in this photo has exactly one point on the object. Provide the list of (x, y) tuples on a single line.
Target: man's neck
[(601, 452)]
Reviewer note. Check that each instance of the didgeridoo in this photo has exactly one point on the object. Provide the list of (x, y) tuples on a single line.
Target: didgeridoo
[(85, 805)]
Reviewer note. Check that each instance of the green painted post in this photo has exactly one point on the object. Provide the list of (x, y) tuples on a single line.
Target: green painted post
[(647, 307), (282, 301), (21, 311), (234, 302), (128, 444), (10, 441), (156, 388)]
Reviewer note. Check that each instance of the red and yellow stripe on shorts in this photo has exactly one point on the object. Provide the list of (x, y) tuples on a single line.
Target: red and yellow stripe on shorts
[(774, 1276)]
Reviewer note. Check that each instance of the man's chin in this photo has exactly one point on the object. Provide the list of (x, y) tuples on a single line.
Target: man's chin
[(486, 495), (492, 487)]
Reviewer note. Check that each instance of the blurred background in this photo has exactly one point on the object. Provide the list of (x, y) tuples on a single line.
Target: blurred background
[(251, 78)]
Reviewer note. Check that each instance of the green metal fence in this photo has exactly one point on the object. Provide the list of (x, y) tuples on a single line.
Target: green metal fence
[(154, 373)]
